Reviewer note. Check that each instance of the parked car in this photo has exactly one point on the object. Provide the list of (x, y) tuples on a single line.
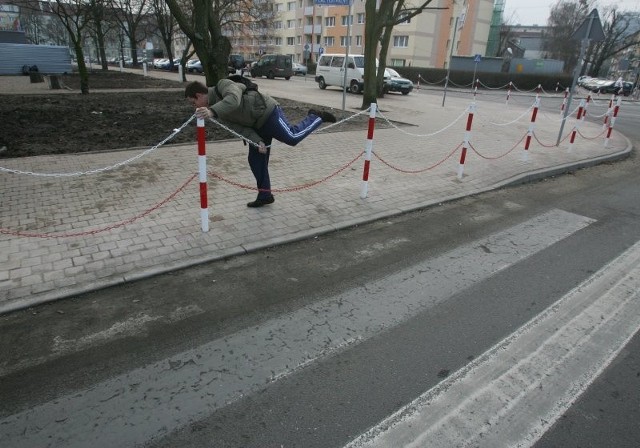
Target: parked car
[(607, 86), (273, 66), (158, 63), (330, 71), (299, 69), (194, 66), (397, 83), (236, 62), (582, 80)]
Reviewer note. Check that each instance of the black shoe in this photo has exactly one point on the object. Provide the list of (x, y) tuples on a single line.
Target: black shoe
[(260, 202), (324, 116)]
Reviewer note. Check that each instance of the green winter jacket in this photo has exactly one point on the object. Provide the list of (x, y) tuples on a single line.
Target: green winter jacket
[(244, 112)]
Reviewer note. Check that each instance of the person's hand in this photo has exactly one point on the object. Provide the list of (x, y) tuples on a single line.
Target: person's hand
[(262, 149), (204, 113)]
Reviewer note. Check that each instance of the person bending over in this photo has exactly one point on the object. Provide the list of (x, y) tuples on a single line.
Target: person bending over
[(257, 117)]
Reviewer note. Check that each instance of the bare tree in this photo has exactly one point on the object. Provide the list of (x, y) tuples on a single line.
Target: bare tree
[(166, 24), (378, 28), (565, 17), (100, 26), (206, 22), (621, 33), (129, 14), (75, 17)]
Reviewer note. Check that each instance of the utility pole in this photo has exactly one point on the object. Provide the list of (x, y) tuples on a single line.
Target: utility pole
[(591, 29), (453, 43)]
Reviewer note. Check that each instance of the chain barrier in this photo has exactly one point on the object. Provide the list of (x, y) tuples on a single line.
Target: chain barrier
[(432, 83), (501, 155), (102, 229), (592, 138), (553, 145), (461, 85), (562, 117), (421, 135), (104, 169), (418, 171), (251, 142), (493, 88), (509, 122), (287, 189)]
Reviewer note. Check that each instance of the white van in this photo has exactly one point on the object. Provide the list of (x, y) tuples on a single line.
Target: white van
[(331, 68)]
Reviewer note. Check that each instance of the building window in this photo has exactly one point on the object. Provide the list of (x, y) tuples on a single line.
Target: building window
[(278, 25), (347, 20), (358, 41), (291, 6), (291, 23), (329, 41), (398, 62), (279, 7), (329, 21), (291, 41), (278, 41), (361, 17), (401, 41), (406, 21), (299, 40), (343, 41)]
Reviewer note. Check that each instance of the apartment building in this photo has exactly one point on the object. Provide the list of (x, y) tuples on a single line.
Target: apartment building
[(304, 30)]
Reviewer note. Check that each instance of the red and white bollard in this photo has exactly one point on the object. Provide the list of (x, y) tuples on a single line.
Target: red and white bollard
[(467, 136), (586, 106), (367, 151), (564, 101), (538, 90), (575, 127), (418, 87), (475, 90), (509, 91), (609, 110), (613, 121), (202, 173), (532, 125)]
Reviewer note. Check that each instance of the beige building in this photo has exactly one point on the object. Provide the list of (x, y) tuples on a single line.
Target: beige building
[(300, 26)]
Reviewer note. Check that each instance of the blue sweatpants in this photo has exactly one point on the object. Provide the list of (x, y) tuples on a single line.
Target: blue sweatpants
[(277, 127)]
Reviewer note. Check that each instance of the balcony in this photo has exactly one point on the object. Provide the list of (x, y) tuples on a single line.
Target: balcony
[(312, 29)]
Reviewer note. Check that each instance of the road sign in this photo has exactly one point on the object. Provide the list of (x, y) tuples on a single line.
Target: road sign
[(590, 29), (477, 58), (332, 2), (306, 47)]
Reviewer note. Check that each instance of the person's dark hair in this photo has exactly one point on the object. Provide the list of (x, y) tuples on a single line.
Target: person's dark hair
[(193, 88)]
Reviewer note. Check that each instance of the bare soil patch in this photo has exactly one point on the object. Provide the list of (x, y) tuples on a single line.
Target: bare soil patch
[(110, 118)]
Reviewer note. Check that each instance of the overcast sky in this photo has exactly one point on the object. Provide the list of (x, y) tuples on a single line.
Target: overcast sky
[(536, 12)]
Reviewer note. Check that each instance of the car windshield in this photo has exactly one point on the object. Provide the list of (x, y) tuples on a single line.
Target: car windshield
[(359, 60), (393, 73)]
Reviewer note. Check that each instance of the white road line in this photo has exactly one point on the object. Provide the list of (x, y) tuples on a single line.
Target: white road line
[(512, 394), (156, 399)]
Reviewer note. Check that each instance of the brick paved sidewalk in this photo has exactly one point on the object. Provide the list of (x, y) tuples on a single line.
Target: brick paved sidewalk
[(64, 235)]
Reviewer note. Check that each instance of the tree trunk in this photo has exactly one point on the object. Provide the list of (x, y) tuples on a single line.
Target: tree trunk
[(82, 67), (371, 36)]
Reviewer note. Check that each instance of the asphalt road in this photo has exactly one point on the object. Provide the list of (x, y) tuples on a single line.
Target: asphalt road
[(313, 343)]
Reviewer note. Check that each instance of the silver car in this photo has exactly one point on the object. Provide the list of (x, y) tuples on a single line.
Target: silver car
[(299, 69)]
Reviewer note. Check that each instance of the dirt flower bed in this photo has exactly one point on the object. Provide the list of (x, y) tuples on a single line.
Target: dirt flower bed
[(60, 123)]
